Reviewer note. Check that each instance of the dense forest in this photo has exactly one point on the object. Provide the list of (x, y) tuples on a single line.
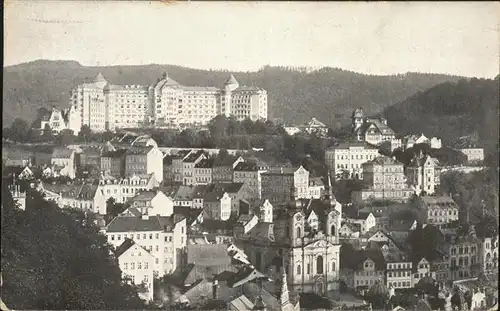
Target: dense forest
[(55, 259), (294, 95), (451, 110)]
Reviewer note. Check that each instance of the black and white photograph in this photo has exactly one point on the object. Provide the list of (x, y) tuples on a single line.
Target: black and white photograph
[(250, 155)]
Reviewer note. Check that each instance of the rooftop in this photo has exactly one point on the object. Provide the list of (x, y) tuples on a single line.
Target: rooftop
[(138, 224), (246, 166), (62, 153), (205, 163)]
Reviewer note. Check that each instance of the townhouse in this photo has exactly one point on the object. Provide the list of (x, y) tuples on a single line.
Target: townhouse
[(144, 161), (123, 189), (366, 221), (137, 266), (346, 160), (222, 170), (216, 205), (188, 166), (361, 268), (177, 165), (154, 201), (438, 210), (203, 172), (113, 163), (249, 173), (398, 270), (423, 174), (383, 179), (83, 196), (63, 162)]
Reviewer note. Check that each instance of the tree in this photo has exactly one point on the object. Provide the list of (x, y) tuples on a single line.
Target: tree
[(66, 137), (19, 130), (56, 259), (47, 133), (85, 133)]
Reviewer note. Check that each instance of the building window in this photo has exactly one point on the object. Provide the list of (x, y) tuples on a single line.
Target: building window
[(298, 270), (319, 265)]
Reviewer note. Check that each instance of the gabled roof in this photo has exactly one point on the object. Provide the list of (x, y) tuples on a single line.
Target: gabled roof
[(315, 123), (194, 156), (145, 196), (205, 163), (229, 187), (246, 166), (351, 258), (139, 150), (62, 153), (354, 213), (131, 224), (114, 154)]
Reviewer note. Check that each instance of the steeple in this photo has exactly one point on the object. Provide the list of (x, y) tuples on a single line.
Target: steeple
[(284, 297)]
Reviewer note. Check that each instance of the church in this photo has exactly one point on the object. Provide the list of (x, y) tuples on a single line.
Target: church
[(300, 237)]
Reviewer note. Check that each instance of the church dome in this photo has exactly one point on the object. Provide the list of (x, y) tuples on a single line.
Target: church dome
[(378, 290)]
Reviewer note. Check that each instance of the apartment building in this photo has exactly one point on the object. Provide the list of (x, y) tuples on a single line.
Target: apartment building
[(216, 205), (346, 159), (249, 173), (113, 163), (84, 196), (422, 268), (423, 174), (464, 261), (438, 210), (163, 237), (222, 170), (203, 172), (361, 267), (63, 160), (474, 154), (123, 189), (188, 166), (137, 266), (398, 270), (177, 165), (144, 161), (383, 179), (488, 255)]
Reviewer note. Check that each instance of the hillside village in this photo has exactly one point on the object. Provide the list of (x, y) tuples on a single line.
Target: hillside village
[(191, 227)]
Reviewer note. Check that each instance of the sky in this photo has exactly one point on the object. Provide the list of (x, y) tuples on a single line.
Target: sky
[(459, 38)]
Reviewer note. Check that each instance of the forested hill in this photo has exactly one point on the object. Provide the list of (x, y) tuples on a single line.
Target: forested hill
[(451, 110), (295, 95)]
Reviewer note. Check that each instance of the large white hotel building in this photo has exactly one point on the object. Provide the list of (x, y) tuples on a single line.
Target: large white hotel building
[(102, 105)]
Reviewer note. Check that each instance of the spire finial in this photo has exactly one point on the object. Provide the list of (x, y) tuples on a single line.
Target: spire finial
[(284, 289)]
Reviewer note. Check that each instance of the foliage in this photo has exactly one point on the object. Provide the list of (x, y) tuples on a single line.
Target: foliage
[(56, 259), (343, 189), (114, 208), (293, 94), (66, 137), (445, 155), (451, 110), (476, 192)]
